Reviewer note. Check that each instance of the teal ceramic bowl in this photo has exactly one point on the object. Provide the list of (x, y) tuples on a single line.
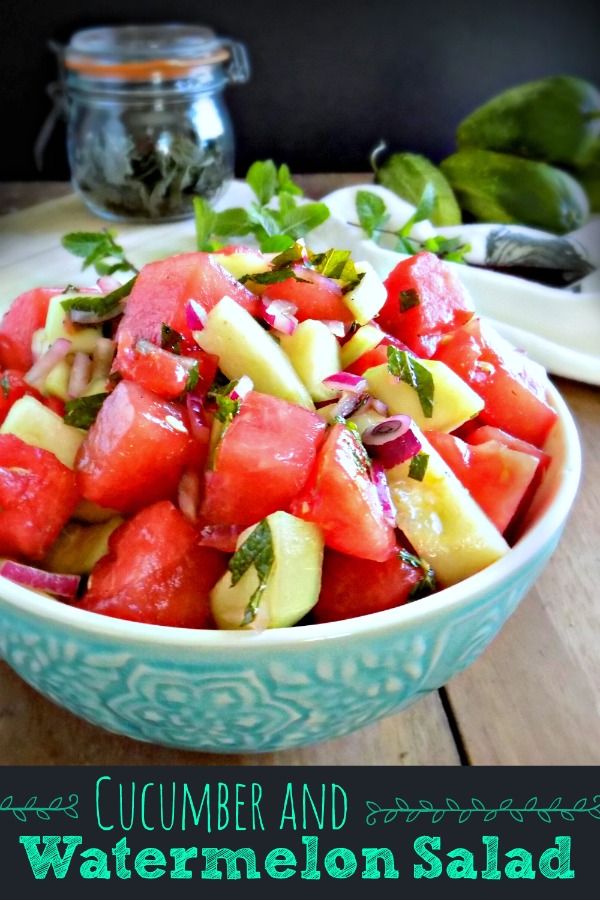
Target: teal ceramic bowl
[(237, 692)]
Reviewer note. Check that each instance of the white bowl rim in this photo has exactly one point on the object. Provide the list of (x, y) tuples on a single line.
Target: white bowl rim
[(550, 521)]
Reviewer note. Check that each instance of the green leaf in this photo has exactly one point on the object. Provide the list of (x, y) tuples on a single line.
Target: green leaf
[(170, 339), (423, 211), (233, 221), (5, 384), (272, 276), (337, 264), (276, 243), (409, 370), (98, 249), (262, 178), (408, 299), (193, 378), (267, 220), (372, 212), (227, 408), (290, 256), (100, 305), (427, 585), (418, 466), (205, 219), (285, 184), (82, 412), (299, 220), (257, 551)]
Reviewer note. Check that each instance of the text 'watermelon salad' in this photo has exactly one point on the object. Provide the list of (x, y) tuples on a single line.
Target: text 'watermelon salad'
[(242, 440)]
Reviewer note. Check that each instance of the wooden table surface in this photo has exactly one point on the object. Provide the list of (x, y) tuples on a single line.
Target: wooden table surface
[(531, 699)]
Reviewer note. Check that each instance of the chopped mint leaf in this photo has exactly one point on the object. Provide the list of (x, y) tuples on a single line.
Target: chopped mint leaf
[(372, 212), (289, 256), (408, 299), (193, 378), (409, 370), (170, 339), (5, 384), (257, 551), (98, 249), (227, 408), (101, 305), (82, 412), (272, 276), (427, 584), (418, 466)]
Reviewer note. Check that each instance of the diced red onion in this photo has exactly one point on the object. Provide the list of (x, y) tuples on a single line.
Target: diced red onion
[(42, 367), (188, 494), (199, 426), (221, 537), (280, 315), (195, 315), (348, 403), (336, 327), (108, 283), (244, 386), (80, 375), (383, 491), (346, 381), (89, 317), (37, 579), (391, 441), (102, 358), (378, 405)]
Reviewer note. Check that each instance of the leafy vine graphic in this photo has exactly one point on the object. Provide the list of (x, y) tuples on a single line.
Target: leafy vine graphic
[(464, 813), (42, 812)]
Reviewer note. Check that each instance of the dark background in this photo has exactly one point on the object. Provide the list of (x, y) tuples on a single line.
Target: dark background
[(329, 79)]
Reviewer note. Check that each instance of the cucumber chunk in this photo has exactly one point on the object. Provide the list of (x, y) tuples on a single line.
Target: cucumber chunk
[(39, 426), (292, 586), (245, 348), (442, 521)]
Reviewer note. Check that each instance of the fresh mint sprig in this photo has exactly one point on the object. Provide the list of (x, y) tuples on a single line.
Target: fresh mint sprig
[(98, 249), (275, 218), (373, 216)]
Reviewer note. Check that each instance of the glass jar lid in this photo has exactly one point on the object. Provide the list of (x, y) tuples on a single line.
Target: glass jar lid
[(151, 52)]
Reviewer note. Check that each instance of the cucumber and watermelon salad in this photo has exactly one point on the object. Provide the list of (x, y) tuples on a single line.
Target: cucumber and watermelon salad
[(241, 440)]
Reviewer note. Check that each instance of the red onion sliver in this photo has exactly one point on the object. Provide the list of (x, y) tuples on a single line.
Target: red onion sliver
[(280, 315), (195, 315), (102, 358), (348, 403), (37, 579), (383, 491), (199, 426), (378, 405), (346, 381), (44, 365), (244, 386), (89, 317), (221, 537), (80, 374), (188, 494), (391, 441), (108, 283), (336, 327)]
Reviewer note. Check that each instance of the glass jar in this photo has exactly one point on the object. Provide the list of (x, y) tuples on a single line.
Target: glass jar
[(147, 126)]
